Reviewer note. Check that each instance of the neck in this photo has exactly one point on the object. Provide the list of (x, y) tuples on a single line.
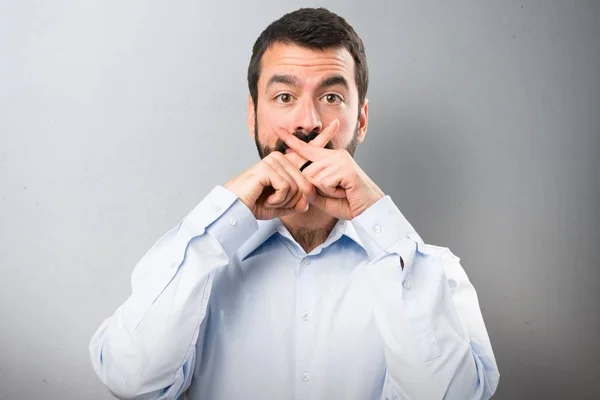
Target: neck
[(309, 229)]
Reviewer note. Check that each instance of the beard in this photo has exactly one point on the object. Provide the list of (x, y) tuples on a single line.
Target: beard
[(281, 147)]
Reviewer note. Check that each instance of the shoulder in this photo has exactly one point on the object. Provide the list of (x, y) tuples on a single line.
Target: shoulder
[(439, 252)]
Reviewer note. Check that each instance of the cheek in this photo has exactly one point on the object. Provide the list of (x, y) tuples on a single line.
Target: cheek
[(264, 126), (348, 121), (345, 132), (262, 120)]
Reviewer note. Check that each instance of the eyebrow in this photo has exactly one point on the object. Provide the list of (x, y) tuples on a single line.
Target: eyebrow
[(285, 79), (333, 81), (293, 81)]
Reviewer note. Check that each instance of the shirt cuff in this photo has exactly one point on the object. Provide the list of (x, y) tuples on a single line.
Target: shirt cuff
[(384, 223), (225, 217)]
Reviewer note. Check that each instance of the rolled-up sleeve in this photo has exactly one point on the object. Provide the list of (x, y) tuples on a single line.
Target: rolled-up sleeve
[(435, 339)]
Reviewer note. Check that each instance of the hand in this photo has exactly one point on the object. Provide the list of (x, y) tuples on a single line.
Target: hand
[(275, 187), (344, 190)]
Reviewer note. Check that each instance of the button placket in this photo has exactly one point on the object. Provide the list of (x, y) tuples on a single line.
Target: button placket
[(304, 326), (306, 261)]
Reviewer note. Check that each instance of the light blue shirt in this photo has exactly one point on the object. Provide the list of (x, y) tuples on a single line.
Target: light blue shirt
[(227, 307)]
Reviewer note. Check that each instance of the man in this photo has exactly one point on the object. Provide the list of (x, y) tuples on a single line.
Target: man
[(299, 278)]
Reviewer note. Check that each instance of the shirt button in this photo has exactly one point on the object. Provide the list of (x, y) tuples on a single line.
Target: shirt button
[(305, 316), (377, 229), (217, 209), (406, 285), (305, 377), (452, 283), (232, 221), (306, 261), (174, 264)]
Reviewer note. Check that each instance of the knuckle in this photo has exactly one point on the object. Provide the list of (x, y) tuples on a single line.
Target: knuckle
[(263, 165), (275, 155), (307, 187), (342, 153), (287, 160)]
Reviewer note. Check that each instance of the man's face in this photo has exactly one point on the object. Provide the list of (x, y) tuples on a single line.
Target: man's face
[(301, 91)]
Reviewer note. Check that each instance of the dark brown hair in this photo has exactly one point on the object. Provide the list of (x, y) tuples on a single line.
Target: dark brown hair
[(312, 28)]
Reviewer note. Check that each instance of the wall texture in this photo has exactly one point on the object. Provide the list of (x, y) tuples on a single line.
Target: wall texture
[(116, 118)]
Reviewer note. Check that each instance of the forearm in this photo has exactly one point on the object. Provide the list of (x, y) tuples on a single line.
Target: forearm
[(150, 340)]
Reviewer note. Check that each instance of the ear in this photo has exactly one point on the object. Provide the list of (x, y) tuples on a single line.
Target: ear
[(251, 117), (363, 120)]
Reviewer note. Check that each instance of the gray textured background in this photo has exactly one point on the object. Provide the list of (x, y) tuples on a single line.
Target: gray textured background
[(116, 118)]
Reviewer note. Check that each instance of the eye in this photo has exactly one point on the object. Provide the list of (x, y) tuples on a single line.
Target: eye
[(284, 98), (332, 98)]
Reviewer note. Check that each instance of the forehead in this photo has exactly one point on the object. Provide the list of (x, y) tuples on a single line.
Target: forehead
[(309, 65)]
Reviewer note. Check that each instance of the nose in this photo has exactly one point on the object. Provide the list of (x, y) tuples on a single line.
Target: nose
[(307, 118)]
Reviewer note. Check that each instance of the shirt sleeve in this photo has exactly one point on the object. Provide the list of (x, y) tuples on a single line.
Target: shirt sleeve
[(436, 343), (147, 349)]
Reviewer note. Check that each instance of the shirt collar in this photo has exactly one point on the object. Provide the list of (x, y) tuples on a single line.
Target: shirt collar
[(266, 229)]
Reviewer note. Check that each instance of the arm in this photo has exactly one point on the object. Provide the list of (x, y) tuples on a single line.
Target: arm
[(147, 349), (436, 343)]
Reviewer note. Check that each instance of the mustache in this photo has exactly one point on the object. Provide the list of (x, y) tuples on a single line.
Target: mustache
[(282, 147)]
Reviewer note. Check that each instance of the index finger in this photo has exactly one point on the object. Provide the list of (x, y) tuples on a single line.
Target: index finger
[(325, 136), (294, 158), (311, 151)]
